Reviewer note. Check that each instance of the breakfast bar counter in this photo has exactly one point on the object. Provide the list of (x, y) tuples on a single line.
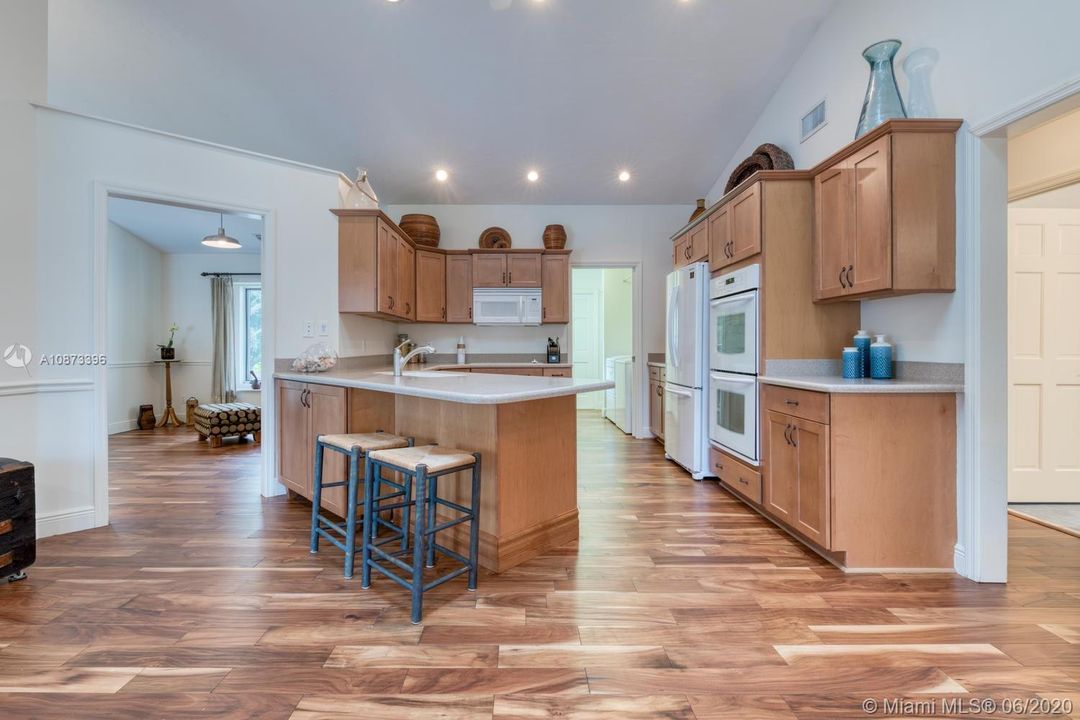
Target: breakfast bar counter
[(525, 427)]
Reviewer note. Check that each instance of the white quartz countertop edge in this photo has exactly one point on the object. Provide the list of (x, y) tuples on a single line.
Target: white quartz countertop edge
[(833, 384), (478, 389)]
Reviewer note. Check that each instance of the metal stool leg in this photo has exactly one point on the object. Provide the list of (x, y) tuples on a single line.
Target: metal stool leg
[(433, 494), (418, 545), (372, 471), (350, 508), (474, 524), (316, 495)]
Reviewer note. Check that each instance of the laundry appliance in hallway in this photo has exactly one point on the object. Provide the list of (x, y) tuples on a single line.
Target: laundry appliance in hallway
[(618, 401), (685, 436)]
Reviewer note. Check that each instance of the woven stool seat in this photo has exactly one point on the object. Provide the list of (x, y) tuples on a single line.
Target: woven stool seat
[(436, 457), (365, 441)]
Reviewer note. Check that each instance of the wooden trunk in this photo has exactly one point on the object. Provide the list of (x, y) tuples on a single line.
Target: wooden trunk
[(18, 534)]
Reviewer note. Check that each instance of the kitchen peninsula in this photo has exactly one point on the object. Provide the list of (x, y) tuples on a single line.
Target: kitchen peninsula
[(524, 425)]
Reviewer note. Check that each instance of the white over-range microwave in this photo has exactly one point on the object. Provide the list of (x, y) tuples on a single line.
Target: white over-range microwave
[(507, 306)]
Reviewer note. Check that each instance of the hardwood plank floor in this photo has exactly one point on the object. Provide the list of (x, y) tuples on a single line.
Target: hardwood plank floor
[(202, 601)]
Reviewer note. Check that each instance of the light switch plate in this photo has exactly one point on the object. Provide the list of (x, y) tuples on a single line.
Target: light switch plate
[(309, 328), (324, 328)]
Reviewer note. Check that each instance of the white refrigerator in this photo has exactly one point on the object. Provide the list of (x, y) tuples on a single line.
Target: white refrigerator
[(685, 433)]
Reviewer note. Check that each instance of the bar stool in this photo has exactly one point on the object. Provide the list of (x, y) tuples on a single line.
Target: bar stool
[(426, 463), (355, 446)]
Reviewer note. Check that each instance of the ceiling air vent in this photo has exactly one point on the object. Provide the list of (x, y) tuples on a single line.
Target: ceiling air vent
[(813, 121)]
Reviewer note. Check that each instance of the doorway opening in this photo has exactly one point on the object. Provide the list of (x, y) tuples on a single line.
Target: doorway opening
[(183, 321), (602, 341), (1043, 268)]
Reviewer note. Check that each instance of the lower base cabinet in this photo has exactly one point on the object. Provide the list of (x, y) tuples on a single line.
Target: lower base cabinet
[(869, 480), (306, 410), (656, 402)]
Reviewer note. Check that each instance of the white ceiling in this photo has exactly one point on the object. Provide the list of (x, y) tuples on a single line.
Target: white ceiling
[(174, 230), (578, 89)]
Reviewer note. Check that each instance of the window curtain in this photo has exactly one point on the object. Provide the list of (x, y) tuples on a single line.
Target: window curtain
[(223, 370)]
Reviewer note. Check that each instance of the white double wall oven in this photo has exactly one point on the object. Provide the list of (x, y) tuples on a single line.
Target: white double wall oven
[(734, 349)]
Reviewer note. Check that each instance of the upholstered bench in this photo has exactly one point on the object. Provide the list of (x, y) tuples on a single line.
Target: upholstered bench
[(222, 420)]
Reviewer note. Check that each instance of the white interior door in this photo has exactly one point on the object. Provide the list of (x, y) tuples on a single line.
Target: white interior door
[(587, 345), (1044, 355)]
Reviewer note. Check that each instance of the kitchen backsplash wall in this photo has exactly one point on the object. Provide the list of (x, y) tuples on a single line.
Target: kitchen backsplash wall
[(513, 339)]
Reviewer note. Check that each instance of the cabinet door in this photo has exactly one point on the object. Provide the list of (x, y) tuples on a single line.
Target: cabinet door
[(558, 372), (783, 467), (681, 253), (523, 270), (406, 280), (387, 275), (720, 238), (833, 208), (812, 516), (294, 437), (556, 288), (459, 287), (656, 413), (329, 415), (699, 243), (871, 258), (489, 270), (430, 286), (746, 224)]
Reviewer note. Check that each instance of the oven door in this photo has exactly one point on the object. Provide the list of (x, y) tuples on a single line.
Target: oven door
[(733, 414), (733, 333)]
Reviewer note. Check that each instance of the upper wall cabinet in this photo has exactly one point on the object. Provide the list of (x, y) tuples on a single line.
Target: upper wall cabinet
[(885, 213), (507, 269), (376, 266), (430, 286), (556, 284), (735, 229)]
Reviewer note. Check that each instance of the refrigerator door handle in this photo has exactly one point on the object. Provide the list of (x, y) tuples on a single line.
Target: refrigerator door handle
[(672, 327)]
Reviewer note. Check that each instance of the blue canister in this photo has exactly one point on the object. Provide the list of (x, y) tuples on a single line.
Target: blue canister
[(881, 359), (862, 342), (852, 363)]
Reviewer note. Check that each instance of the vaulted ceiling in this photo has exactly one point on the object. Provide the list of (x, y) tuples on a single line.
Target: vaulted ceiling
[(487, 89)]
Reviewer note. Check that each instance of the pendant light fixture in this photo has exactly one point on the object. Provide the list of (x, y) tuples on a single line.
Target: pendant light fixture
[(221, 240)]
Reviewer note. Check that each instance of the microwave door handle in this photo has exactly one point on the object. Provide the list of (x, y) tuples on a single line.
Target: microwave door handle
[(730, 300), (733, 379)]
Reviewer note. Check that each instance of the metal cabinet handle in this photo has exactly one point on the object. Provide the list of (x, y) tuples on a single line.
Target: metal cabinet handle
[(794, 437), (787, 434), (470, 312), (792, 402), (744, 481), (851, 269), (303, 397), (444, 312), (718, 466), (391, 301), (842, 284), (408, 308)]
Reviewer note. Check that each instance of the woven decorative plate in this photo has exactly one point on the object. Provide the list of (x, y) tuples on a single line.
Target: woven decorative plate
[(779, 157), (495, 238), (746, 168)]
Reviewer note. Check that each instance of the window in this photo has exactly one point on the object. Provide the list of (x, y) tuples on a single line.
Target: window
[(247, 304)]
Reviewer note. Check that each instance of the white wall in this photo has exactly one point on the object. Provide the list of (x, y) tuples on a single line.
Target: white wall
[(135, 300), (596, 234), (618, 311), (188, 305), (992, 54), (22, 80), (73, 153)]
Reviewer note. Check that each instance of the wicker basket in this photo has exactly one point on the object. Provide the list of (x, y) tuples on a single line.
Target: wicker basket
[(554, 237), (495, 238), (423, 229)]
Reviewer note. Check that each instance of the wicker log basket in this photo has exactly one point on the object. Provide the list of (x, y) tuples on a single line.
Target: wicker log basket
[(764, 157), (554, 237), (423, 229)]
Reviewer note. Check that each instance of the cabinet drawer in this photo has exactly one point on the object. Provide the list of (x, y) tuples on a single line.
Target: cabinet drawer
[(736, 475), (805, 404)]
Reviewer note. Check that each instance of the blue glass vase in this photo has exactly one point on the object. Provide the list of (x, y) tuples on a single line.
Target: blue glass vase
[(882, 95)]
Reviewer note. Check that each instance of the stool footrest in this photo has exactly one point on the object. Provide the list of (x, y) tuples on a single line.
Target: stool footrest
[(376, 550), (454, 506), (451, 554), (335, 542), (447, 524)]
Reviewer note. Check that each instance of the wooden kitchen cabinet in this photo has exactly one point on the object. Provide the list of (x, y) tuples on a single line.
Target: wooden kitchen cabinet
[(698, 243), (783, 463), (430, 286), (376, 266), (797, 490), (306, 410), (735, 229), (459, 287), (656, 407), (556, 288), (524, 270), (488, 270), (885, 213), (558, 372)]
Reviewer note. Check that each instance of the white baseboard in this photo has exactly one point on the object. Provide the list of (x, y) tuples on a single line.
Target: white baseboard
[(65, 521), (122, 426), (960, 563)]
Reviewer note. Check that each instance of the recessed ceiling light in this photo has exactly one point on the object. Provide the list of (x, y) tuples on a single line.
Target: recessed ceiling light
[(440, 174), (532, 176), (624, 176)]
